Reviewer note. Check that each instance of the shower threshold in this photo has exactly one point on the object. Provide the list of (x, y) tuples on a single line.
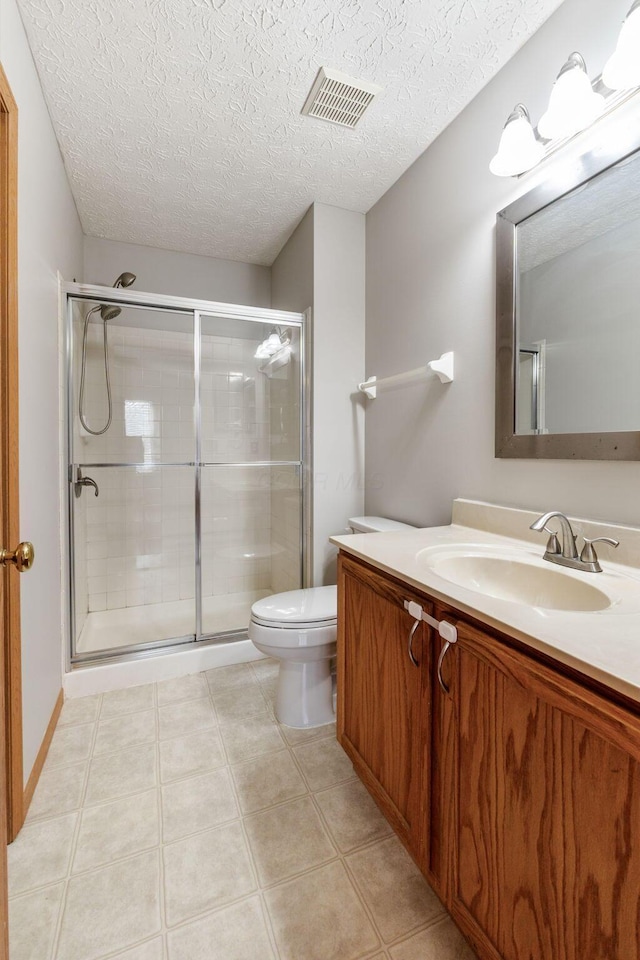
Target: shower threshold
[(154, 622)]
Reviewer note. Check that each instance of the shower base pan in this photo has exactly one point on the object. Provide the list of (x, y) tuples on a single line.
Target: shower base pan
[(156, 622)]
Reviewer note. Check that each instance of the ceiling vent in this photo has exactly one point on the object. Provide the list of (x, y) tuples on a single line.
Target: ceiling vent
[(338, 98)]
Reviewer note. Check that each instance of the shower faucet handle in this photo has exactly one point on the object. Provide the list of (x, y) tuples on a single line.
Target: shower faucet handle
[(81, 482)]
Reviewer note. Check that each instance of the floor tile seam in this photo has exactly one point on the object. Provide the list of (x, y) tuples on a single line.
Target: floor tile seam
[(162, 905), (121, 748), (169, 783), (240, 718), (124, 858), (200, 775), (102, 718), (400, 937), (198, 918), (91, 805), (42, 886), (268, 922), (299, 874), (181, 699), (299, 765), (51, 953), (214, 689), (252, 859), (242, 763), (284, 803), (106, 803), (405, 937), (365, 906), (78, 723), (62, 878), (308, 740), (55, 943), (336, 783), (360, 846), (421, 928), (278, 803), (188, 733), (116, 954), (196, 833), (169, 927)]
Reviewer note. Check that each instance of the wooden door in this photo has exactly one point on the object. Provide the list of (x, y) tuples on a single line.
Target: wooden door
[(10, 684), (383, 697), (547, 810)]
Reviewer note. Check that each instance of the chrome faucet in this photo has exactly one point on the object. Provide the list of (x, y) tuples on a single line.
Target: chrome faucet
[(81, 482), (567, 556)]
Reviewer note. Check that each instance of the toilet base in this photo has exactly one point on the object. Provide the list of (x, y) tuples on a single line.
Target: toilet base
[(304, 696)]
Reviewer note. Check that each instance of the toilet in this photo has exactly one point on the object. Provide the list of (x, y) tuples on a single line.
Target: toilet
[(299, 629)]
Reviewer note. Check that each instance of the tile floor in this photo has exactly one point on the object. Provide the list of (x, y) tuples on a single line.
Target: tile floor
[(180, 821)]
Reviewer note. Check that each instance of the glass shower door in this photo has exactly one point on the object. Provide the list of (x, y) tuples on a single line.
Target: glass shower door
[(132, 480), (250, 474)]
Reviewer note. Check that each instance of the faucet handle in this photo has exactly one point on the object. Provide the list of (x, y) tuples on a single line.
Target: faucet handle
[(553, 544), (589, 554)]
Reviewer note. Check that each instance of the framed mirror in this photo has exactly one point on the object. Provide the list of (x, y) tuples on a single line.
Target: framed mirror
[(568, 315)]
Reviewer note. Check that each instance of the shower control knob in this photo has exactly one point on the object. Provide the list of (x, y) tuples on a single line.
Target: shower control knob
[(22, 557)]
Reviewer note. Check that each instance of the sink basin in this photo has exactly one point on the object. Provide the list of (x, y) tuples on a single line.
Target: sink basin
[(516, 580)]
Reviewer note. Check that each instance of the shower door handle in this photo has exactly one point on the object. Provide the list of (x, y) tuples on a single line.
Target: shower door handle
[(81, 482)]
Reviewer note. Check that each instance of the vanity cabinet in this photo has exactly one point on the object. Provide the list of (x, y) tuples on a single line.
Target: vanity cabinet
[(383, 698), (527, 800)]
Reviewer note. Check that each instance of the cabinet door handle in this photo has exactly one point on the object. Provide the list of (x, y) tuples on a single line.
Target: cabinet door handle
[(411, 635), (448, 643)]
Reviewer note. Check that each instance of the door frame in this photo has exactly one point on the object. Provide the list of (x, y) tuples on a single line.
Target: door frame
[(9, 457)]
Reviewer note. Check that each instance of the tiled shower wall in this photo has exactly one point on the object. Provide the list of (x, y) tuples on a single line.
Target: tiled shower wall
[(286, 516), (140, 531)]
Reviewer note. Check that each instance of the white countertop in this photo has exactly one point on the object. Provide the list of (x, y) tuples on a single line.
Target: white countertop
[(602, 644)]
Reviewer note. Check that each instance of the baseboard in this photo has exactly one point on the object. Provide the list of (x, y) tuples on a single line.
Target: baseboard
[(34, 776)]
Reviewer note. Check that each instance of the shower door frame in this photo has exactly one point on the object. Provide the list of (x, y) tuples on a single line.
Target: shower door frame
[(198, 308)]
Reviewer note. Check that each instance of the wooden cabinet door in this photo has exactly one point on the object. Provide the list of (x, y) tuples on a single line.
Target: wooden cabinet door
[(383, 697), (546, 803)]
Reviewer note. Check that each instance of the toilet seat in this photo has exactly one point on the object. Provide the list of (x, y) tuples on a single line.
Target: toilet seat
[(298, 610)]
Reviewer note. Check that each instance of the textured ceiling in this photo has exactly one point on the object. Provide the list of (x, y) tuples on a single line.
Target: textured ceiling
[(179, 120)]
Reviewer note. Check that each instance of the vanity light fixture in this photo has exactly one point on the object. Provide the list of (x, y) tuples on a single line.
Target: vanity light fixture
[(575, 104), (622, 70), (519, 149)]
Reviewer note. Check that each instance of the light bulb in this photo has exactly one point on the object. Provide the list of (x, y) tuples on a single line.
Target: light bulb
[(622, 70), (519, 150), (573, 105)]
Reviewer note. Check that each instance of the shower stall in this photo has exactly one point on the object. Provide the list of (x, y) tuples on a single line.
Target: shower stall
[(187, 432)]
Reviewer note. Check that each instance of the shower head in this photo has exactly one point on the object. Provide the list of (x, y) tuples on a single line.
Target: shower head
[(125, 280), (109, 311)]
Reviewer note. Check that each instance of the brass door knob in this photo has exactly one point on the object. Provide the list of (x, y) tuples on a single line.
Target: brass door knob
[(22, 557)]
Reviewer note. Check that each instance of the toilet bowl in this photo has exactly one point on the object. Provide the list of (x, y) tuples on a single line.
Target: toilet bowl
[(299, 629)]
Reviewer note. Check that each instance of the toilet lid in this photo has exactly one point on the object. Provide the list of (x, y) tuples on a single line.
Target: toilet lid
[(297, 607)]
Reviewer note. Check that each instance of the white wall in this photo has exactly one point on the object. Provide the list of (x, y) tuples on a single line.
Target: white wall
[(322, 266), (431, 287), (338, 366), (177, 274), (50, 239)]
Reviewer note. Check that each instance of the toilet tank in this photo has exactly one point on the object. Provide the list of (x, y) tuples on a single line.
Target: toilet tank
[(376, 525)]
